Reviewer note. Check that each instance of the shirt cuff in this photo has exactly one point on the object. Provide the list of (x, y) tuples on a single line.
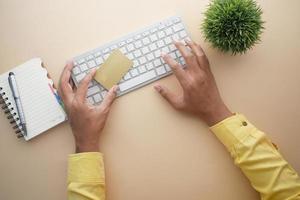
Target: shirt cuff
[(86, 167), (233, 130)]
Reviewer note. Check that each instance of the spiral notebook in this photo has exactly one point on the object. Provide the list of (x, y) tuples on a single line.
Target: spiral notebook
[(40, 102)]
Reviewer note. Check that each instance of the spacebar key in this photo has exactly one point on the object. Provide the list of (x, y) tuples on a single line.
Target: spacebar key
[(137, 80)]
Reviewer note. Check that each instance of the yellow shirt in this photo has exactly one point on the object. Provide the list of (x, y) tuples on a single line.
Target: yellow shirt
[(258, 158)]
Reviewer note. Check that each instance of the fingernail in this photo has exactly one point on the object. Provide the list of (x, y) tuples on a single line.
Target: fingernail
[(163, 54), (91, 72), (115, 88), (187, 40), (178, 42), (69, 62), (157, 88)]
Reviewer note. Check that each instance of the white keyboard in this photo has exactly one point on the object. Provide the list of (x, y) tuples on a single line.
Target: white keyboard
[(144, 48)]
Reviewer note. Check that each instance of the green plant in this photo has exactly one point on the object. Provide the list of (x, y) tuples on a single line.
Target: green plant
[(233, 25)]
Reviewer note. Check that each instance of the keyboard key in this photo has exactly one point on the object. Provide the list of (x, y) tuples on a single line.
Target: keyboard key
[(123, 50), (90, 57), (173, 55), (168, 23), (80, 61), (90, 84), (97, 98), (182, 34), (145, 50), (103, 94), (161, 34), (176, 20), (168, 31), (83, 67), (160, 70), (80, 77), (122, 43), (137, 37), (172, 47), (91, 100), (178, 54), (146, 33), (91, 64), (134, 72), (146, 41), (130, 40), (130, 47), (153, 38), (142, 60), (182, 61), (113, 47), (160, 43), (137, 80), (76, 70), (165, 49), (135, 63), (142, 69), (75, 63), (175, 37), (153, 47), (149, 66), (183, 42), (127, 76), (97, 54), (168, 40), (138, 44), (168, 68), (106, 50), (161, 26), (178, 27), (150, 56), (93, 90), (137, 53), (157, 62), (130, 56), (157, 53), (153, 30), (99, 60), (105, 56), (121, 81)]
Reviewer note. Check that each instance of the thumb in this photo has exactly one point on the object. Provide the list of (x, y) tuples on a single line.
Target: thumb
[(84, 84), (109, 98), (173, 99)]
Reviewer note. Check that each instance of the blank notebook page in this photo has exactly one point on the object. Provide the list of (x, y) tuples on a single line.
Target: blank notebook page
[(41, 108)]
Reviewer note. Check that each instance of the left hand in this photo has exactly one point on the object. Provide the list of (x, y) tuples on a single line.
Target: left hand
[(87, 121)]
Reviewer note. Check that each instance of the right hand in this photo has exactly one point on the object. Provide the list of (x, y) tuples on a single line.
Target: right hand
[(200, 94)]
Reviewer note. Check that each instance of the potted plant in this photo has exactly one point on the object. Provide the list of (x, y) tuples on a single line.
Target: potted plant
[(233, 25)]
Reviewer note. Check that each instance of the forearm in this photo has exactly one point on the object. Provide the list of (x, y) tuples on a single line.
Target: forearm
[(259, 160), (86, 180)]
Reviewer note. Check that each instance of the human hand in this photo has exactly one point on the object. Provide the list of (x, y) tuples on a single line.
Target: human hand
[(200, 94), (87, 121)]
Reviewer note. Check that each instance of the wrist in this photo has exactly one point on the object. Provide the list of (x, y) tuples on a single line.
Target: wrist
[(217, 114), (86, 147)]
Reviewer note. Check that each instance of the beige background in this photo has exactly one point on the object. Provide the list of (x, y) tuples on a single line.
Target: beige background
[(151, 151)]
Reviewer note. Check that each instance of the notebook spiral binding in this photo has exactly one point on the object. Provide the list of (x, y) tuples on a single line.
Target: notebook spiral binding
[(10, 112)]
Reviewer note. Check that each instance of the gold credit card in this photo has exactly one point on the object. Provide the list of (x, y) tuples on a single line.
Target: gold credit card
[(113, 69)]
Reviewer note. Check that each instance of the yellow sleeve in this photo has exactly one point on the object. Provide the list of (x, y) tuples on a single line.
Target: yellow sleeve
[(258, 158), (86, 179)]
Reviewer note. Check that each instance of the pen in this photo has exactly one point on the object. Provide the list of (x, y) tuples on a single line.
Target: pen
[(14, 88), (57, 97)]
